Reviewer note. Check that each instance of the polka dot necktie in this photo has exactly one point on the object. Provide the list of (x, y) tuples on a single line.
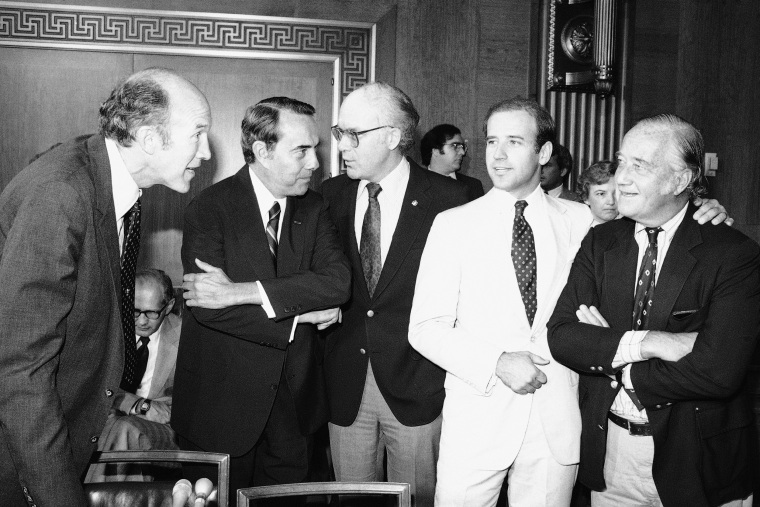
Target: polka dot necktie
[(129, 382), (272, 226), (524, 260), (370, 239), (642, 303)]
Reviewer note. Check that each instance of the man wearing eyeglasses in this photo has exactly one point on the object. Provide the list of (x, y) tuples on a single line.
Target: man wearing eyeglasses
[(383, 396), (442, 150), (140, 420)]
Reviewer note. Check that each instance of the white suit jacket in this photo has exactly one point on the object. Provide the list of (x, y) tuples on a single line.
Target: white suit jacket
[(468, 310)]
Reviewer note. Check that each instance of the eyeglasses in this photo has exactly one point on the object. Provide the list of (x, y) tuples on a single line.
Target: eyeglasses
[(353, 136), (458, 146), (151, 314)]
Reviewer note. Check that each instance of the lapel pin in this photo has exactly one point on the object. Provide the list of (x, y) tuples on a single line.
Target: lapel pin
[(414, 203), (296, 222)]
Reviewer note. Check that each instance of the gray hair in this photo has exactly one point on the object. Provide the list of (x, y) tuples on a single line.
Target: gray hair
[(395, 109)]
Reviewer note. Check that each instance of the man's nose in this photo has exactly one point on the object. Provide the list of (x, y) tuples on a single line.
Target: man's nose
[(204, 149)]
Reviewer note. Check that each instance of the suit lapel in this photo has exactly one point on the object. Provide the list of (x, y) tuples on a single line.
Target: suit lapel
[(675, 269), (620, 279), (249, 228), (415, 207), (346, 225), (106, 219), (290, 248), (550, 262), (166, 357)]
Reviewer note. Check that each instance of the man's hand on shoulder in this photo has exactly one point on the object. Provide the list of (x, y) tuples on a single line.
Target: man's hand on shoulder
[(322, 318), (710, 210), (667, 346), (214, 290), (518, 371)]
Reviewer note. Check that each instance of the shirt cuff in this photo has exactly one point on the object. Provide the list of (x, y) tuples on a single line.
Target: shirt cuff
[(293, 329), (265, 304), (626, 378), (629, 349)]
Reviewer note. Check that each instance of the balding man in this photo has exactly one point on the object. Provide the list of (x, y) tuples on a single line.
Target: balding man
[(69, 237), (383, 395), (661, 316)]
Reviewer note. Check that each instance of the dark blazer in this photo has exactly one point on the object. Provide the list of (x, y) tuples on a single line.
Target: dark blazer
[(61, 345), (230, 360), (411, 385), (474, 186), (701, 421)]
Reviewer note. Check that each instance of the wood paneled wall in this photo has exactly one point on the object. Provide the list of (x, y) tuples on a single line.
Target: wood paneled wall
[(700, 60)]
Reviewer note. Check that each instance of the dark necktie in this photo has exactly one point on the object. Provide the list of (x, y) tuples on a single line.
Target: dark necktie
[(370, 239), (272, 225), (524, 260), (642, 303), (141, 359), (129, 381)]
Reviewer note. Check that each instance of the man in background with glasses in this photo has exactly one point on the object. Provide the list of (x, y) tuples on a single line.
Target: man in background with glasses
[(442, 150), (140, 420), (383, 395)]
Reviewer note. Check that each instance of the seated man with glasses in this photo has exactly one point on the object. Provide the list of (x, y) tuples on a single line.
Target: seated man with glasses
[(442, 150), (140, 421)]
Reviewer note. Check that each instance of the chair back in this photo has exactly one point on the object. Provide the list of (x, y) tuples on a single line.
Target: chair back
[(400, 491), (152, 494)]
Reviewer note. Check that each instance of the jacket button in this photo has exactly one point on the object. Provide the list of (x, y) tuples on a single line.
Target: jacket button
[(362, 351), (614, 384), (593, 368), (109, 393), (273, 387), (93, 439), (370, 313), (658, 406)]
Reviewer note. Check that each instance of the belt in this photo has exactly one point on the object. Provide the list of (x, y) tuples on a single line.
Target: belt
[(634, 428)]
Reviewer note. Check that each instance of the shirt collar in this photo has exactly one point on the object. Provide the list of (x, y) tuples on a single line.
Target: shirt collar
[(265, 197), (394, 181), (507, 201), (125, 190), (668, 227), (555, 192)]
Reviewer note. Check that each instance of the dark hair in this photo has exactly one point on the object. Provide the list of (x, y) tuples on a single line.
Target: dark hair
[(435, 139), (261, 122), (544, 123), (597, 173), (158, 277), (688, 147), (141, 99), (395, 109), (564, 159)]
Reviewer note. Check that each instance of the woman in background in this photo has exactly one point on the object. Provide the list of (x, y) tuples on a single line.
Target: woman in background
[(596, 186)]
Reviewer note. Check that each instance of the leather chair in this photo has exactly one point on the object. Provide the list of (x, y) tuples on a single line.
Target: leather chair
[(399, 491), (152, 494)]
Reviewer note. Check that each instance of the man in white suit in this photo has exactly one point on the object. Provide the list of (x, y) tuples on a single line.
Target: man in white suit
[(510, 408), (469, 318)]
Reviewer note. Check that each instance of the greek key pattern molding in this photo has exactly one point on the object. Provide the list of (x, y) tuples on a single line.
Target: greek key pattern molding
[(351, 43)]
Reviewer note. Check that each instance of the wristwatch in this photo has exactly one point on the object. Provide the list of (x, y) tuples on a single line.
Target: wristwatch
[(144, 406)]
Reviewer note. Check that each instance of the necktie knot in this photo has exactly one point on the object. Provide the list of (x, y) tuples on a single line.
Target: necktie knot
[(274, 211), (520, 207), (144, 340), (373, 189), (652, 233)]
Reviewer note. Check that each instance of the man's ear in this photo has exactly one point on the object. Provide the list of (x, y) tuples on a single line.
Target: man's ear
[(545, 153), (149, 139), (261, 152), (169, 306), (393, 138), (682, 180)]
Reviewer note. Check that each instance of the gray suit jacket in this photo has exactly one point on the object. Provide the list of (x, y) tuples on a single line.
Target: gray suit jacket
[(61, 345)]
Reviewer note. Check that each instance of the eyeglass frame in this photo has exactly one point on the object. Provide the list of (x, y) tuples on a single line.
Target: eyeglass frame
[(338, 133), (454, 145), (138, 312)]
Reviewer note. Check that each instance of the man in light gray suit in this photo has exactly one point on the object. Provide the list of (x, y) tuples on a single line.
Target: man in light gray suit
[(61, 235)]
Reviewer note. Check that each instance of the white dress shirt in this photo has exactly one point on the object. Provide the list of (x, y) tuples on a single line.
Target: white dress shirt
[(555, 192), (266, 200), (629, 350), (391, 199), (125, 190)]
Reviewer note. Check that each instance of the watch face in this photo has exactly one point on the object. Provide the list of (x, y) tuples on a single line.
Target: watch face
[(145, 407)]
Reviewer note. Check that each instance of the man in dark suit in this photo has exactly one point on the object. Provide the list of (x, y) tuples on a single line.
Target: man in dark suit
[(442, 150), (669, 315), (62, 226), (140, 420), (555, 172), (262, 260), (383, 395)]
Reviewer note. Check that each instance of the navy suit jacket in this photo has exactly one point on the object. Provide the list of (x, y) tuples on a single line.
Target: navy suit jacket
[(474, 186), (61, 345), (230, 360), (379, 325), (701, 420)]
